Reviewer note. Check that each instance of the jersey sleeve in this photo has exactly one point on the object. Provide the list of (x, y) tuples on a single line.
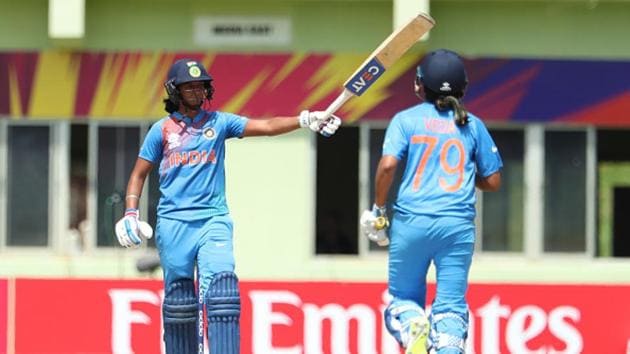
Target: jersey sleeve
[(151, 149), (487, 157), (396, 142), (234, 125)]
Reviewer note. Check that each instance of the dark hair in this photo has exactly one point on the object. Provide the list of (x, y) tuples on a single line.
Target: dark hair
[(169, 106), (444, 103), (171, 103)]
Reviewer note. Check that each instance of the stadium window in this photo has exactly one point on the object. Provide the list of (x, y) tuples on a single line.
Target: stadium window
[(337, 193), (28, 185), (117, 152), (78, 184), (502, 211), (565, 191)]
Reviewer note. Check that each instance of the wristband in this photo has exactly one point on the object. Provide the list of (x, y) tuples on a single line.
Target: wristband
[(380, 210), (304, 119), (131, 211)]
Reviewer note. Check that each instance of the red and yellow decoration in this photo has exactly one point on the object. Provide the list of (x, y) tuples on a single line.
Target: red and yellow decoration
[(125, 85), (128, 86)]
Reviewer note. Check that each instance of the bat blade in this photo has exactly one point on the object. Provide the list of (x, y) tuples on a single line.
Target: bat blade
[(384, 56)]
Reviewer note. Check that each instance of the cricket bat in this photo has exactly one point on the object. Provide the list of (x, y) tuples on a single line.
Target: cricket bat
[(387, 53)]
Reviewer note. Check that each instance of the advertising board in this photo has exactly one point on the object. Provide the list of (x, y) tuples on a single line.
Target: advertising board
[(115, 316)]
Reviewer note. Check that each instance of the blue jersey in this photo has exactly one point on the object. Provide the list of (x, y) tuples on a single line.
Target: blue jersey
[(442, 160), (190, 154)]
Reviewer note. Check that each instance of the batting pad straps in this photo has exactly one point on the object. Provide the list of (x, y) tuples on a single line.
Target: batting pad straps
[(179, 313), (223, 305), (449, 332), (398, 316)]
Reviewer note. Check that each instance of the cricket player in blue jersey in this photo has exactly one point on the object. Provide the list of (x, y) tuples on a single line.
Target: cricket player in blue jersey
[(194, 228), (448, 152)]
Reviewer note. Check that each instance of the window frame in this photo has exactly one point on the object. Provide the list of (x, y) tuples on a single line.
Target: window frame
[(59, 182), (56, 198), (480, 199), (590, 192), (92, 175)]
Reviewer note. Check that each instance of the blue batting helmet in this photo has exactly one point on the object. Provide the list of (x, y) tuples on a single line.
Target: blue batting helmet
[(443, 72), (186, 70)]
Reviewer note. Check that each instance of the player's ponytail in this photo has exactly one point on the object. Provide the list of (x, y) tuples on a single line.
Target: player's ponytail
[(450, 102)]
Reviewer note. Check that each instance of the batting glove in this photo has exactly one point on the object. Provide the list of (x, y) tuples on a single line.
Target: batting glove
[(320, 122), (129, 229), (374, 224)]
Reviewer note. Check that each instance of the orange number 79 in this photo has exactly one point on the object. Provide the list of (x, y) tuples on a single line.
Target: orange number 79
[(458, 168)]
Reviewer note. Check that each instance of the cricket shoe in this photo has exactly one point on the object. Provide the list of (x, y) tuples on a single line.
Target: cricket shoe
[(418, 334)]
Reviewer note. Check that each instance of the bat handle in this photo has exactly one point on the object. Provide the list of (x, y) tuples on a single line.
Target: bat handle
[(380, 223), (338, 102)]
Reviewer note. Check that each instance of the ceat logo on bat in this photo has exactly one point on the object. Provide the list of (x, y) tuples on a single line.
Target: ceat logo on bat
[(365, 77)]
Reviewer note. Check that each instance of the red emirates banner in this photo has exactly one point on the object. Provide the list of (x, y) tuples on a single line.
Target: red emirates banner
[(115, 316), (4, 316)]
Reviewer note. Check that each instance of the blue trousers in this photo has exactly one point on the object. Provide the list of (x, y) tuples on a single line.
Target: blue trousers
[(416, 241), (206, 244)]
